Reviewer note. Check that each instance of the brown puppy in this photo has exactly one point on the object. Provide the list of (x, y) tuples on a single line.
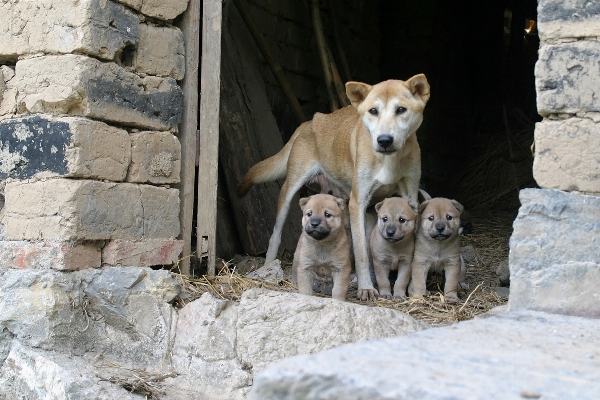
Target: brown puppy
[(392, 244), (368, 150), (437, 246), (323, 248)]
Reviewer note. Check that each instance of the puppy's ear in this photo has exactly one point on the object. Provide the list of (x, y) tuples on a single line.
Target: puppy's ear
[(303, 202), (378, 206), (357, 92), (458, 206), (341, 203), (419, 87), (423, 206)]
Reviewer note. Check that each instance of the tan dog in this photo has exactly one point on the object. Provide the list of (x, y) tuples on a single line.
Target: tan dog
[(437, 246), (392, 244), (368, 150), (323, 248)]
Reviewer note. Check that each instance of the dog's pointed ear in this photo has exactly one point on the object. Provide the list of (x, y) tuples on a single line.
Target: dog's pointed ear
[(303, 202), (378, 206), (342, 203), (419, 87), (357, 92), (423, 206), (458, 206)]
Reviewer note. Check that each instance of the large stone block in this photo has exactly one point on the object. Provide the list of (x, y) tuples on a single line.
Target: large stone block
[(143, 253), (155, 158), (122, 313), (567, 78), (526, 355), (8, 93), (165, 10), (80, 85), (554, 253), (567, 155), (558, 19), (37, 374), (160, 52), (63, 256), (69, 147), (65, 209), (100, 28)]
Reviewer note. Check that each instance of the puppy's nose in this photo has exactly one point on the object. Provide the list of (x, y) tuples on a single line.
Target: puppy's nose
[(390, 232), (314, 222), (385, 141), (440, 227)]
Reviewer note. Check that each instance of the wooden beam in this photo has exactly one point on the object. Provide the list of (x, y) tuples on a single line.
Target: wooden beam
[(190, 26), (206, 230)]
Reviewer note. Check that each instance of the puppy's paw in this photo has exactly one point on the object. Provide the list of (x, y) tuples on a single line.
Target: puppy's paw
[(367, 294), (385, 294), (451, 298), (401, 296)]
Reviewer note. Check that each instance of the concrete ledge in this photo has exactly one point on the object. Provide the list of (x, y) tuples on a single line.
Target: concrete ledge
[(146, 253), (554, 253), (502, 357)]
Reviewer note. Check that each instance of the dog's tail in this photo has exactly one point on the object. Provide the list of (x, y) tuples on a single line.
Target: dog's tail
[(271, 169)]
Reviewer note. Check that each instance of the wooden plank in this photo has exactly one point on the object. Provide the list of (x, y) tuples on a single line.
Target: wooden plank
[(209, 132), (190, 26)]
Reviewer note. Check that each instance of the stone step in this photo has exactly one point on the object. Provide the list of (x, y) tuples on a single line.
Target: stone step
[(518, 355)]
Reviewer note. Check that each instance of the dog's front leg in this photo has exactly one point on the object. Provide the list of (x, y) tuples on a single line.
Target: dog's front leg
[(452, 273), (408, 188), (358, 205), (419, 270)]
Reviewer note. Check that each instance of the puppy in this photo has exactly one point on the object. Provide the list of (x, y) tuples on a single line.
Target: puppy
[(323, 248), (437, 246), (392, 244)]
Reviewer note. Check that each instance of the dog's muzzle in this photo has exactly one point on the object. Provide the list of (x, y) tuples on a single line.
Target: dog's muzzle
[(316, 230)]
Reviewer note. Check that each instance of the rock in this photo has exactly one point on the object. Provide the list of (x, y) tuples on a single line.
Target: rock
[(502, 292), (503, 272), (268, 272), (559, 19), (165, 10), (566, 156), (38, 374), (500, 356), (274, 325), (554, 253)]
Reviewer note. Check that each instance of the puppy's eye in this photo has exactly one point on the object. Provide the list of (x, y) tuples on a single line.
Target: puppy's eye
[(327, 215), (430, 218), (402, 220), (400, 110), (384, 219), (309, 214), (448, 217), (373, 111)]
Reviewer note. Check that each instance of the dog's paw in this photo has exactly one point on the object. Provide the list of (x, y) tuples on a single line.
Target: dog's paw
[(385, 294), (451, 298), (367, 294), (400, 296)]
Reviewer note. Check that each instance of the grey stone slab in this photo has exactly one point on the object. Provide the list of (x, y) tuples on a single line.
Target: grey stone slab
[(554, 253), (514, 356), (568, 19)]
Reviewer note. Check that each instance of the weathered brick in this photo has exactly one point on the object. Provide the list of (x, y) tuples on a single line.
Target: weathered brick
[(165, 10), (155, 158), (144, 253), (160, 52), (567, 155), (97, 27), (80, 85), (44, 255), (77, 209), (8, 94), (554, 253), (68, 146), (559, 19), (567, 78)]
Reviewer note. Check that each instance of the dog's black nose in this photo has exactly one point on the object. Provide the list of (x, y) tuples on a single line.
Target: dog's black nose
[(390, 232), (440, 227), (314, 222), (385, 141)]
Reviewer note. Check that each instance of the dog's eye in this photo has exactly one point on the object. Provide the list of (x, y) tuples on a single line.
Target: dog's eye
[(402, 220), (448, 217), (373, 111), (309, 214), (400, 110), (430, 218), (384, 219), (327, 215)]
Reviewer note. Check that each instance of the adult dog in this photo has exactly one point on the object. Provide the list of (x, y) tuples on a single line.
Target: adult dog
[(368, 150)]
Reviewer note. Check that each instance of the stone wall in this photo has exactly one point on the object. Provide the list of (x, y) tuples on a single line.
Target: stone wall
[(89, 112), (554, 249)]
